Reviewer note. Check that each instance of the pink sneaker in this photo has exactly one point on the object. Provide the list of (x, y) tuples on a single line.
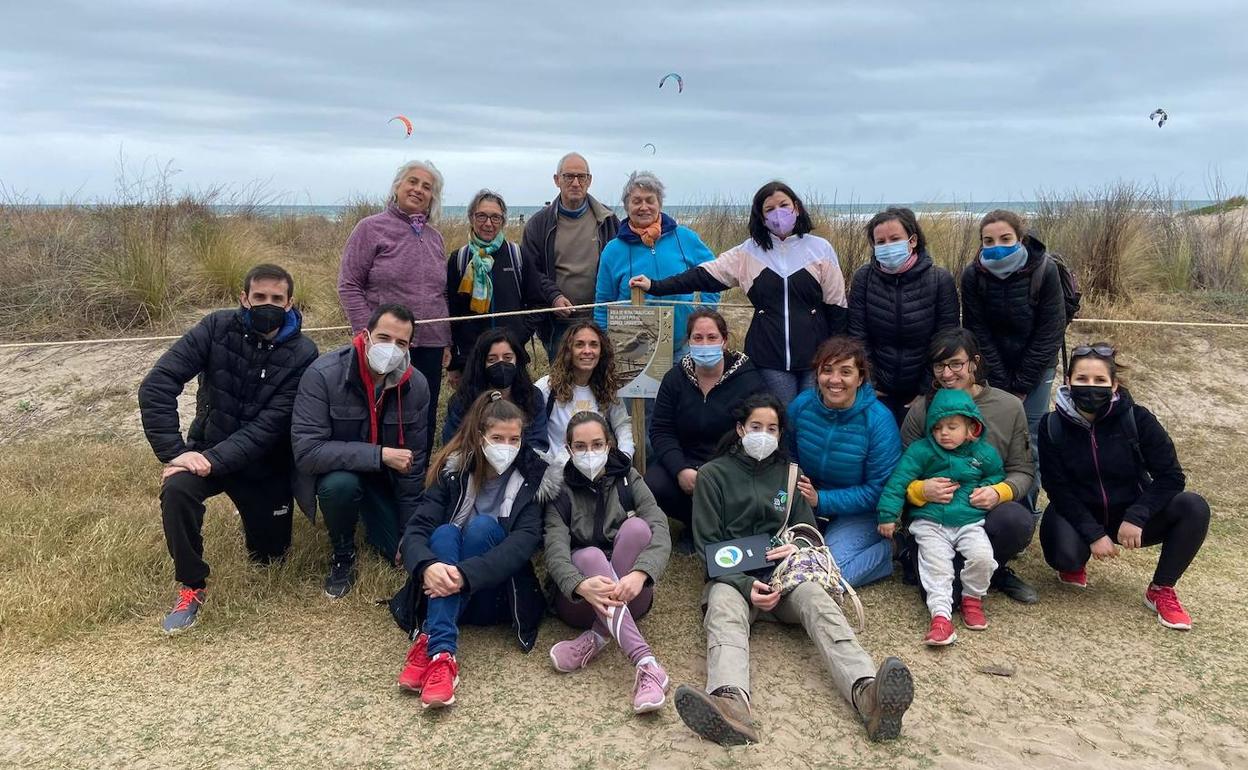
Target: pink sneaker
[(649, 688), (575, 654)]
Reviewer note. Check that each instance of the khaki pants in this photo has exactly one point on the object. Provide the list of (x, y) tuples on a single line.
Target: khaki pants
[(728, 619)]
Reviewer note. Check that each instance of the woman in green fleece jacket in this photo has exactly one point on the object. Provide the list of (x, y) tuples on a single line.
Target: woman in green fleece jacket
[(952, 449), (742, 492)]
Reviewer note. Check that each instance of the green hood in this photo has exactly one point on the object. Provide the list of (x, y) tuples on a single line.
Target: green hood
[(948, 402)]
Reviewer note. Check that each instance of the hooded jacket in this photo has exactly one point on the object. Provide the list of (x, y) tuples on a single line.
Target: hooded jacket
[(687, 425), (737, 496), (677, 250), (972, 465), (796, 287), (588, 513), (332, 427), (247, 388), (1018, 341), (1094, 478), (896, 317), (847, 453), (538, 249), (509, 562)]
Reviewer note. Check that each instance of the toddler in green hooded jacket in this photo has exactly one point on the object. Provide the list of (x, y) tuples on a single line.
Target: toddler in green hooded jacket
[(941, 530)]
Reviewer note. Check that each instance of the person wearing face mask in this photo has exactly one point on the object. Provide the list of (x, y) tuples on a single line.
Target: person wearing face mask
[(694, 406), (792, 278), (248, 361), (488, 275), (468, 548), (651, 243), (743, 491), (498, 362), (897, 303), (1114, 480), (583, 378), (606, 546), (359, 439)]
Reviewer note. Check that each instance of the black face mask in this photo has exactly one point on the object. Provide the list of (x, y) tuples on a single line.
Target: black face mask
[(500, 375), (266, 318), (1091, 399)]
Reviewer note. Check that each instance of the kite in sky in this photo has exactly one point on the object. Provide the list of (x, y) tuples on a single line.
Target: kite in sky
[(406, 123), (1159, 113), (680, 82), (653, 149)]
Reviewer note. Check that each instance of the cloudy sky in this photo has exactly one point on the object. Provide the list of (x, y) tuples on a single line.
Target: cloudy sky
[(871, 102)]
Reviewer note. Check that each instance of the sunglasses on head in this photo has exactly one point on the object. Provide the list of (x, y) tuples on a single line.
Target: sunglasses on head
[(1105, 351)]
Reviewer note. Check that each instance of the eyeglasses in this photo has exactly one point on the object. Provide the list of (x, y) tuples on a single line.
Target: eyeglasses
[(954, 366), (496, 219), (1104, 351), (581, 446), (570, 178)]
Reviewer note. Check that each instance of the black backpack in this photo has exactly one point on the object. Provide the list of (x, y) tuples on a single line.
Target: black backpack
[(623, 490), (1057, 434)]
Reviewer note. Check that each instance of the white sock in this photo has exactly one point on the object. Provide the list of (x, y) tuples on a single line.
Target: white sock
[(648, 659)]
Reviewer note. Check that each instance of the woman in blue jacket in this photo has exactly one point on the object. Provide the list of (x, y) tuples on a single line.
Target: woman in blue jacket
[(848, 444), (649, 243)]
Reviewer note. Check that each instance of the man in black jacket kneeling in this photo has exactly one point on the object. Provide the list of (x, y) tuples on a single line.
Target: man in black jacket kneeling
[(249, 361)]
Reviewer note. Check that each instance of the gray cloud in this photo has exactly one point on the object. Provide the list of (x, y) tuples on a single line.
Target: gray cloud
[(910, 101)]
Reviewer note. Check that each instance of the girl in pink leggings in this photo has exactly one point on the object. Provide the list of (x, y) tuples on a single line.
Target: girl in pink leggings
[(606, 545)]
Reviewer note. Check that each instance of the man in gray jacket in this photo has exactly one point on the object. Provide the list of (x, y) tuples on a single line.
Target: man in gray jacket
[(359, 438), (563, 242)]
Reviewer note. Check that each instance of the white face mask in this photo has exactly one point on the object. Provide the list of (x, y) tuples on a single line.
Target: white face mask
[(500, 456), (759, 445), (385, 357), (590, 463)]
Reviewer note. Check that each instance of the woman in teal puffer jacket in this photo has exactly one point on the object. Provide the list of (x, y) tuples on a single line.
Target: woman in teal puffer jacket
[(848, 444)]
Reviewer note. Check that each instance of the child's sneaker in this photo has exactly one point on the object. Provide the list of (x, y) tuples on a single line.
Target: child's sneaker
[(412, 677), (649, 687), (1163, 601), (1077, 579), (574, 654), (973, 613), (941, 632), (440, 681)]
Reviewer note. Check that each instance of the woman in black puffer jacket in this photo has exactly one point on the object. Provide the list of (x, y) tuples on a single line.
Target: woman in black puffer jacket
[(897, 304)]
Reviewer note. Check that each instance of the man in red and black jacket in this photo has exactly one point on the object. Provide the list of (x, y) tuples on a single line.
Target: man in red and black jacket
[(248, 361), (360, 440)]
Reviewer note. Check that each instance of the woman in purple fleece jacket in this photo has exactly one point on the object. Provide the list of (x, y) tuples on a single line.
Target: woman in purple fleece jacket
[(397, 256)]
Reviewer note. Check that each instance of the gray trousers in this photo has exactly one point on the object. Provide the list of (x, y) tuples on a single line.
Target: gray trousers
[(937, 547), (728, 619)]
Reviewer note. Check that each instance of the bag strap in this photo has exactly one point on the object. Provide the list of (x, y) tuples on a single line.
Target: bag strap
[(788, 500)]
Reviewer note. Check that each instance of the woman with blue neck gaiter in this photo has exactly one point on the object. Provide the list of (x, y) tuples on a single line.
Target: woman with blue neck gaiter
[(1012, 301)]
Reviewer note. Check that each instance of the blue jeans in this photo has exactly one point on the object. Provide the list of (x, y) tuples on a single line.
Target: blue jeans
[(785, 385), (485, 607), (1035, 405), (863, 555)]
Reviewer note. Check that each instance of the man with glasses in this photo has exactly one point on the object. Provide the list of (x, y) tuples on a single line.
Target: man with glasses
[(563, 241), (360, 440), (488, 275)]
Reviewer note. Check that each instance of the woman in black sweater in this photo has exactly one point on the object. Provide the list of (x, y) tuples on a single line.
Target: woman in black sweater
[(1112, 477)]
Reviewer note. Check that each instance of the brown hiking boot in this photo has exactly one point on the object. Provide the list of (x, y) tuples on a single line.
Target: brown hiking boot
[(883, 700), (723, 716)]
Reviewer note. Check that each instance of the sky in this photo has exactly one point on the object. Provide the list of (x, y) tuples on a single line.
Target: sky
[(848, 101)]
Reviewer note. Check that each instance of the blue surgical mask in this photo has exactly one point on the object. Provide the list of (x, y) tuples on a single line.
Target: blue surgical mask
[(892, 256), (706, 356)]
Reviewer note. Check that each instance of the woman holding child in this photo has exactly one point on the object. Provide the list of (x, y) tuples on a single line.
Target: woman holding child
[(1113, 479)]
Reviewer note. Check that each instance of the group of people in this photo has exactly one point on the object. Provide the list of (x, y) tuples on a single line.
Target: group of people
[(913, 416)]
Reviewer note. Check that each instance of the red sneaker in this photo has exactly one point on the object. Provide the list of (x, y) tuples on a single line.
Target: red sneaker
[(973, 613), (1163, 601), (441, 679), (412, 677), (941, 632), (1078, 578)]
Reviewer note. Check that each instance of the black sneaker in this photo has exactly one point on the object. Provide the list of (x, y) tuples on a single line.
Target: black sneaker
[(341, 576), (1009, 583)]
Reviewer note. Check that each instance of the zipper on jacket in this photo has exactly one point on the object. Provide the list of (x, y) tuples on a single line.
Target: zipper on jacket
[(788, 352), (1096, 463)]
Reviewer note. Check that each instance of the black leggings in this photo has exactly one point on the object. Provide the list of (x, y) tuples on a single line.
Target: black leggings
[(668, 494), (1180, 527)]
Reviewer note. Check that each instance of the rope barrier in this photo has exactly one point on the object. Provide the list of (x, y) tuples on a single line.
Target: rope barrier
[(587, 306)]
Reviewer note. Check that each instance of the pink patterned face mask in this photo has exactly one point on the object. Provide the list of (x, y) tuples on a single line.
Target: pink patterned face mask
[(781, 221)]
